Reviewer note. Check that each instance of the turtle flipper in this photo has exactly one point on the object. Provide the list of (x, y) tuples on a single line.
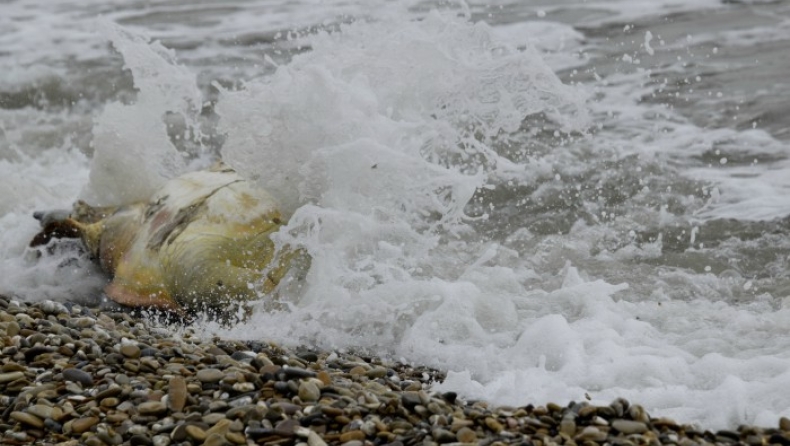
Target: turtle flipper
[(124, 295), (138, 283), (55, 225)]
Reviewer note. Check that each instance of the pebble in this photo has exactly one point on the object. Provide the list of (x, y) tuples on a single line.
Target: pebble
[(236, 438), (309, 391), (351, 436), (81, 425), (177, 393), (161, 440), (784, 424), (130, 351), (215, 440), (11, 376), (111, 378), (28, 419), (568, 426), (629, 427), (79, 376), (494, 425), (42, 411), (466, 435), (152, 408), (210, 375), (442, 435), (195, 432)]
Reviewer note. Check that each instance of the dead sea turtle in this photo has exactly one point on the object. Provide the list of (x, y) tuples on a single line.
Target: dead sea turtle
[(201, 241)]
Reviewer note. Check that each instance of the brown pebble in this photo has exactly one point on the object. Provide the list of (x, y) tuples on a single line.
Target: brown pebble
[(466, 435), (215, 440), (213, 418), (784, 424), (236, 438), (94, 441), (152, 408), (130, 351), (221, 427), (331, 411), (116, 417), (591, 433), (29, 419), (81, 425), (12, 329), (177, 393), (210, 375), (358, 370), (12, 367), (324, 377), (11, 376), (309, 391), (195, 432), (568, 427), (109, 402), (629, 427), (494, 425), (42, 411), (351, 436), (377, 372)]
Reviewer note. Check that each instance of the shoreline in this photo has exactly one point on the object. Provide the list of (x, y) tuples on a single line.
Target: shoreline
[(72, 375)]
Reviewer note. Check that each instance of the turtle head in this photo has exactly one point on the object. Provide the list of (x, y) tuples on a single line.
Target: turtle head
[(106, 232), (54, 224), (68, 227)]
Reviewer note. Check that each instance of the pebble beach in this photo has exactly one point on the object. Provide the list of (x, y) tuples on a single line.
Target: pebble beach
[(72, 375)]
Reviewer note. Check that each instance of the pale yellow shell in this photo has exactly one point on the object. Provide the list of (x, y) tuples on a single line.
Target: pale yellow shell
[(203, 240)]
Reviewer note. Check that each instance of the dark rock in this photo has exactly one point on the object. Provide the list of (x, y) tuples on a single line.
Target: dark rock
[(77, 375)]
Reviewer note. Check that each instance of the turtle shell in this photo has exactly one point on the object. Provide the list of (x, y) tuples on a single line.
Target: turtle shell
[(202, 240)]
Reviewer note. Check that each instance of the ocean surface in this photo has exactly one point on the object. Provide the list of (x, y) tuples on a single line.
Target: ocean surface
[(552, 200)]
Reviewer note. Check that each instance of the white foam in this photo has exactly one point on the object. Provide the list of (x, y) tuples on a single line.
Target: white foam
[(558, 43), (376, 140), (133, 155), (49, 181), (395, 105), (352, 128)]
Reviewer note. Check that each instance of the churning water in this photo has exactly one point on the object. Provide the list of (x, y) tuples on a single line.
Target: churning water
[(547, 199)]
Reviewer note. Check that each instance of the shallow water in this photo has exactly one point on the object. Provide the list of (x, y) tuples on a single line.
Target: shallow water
[(551, 201)]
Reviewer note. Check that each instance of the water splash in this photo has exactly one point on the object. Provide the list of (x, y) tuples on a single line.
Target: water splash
[(133, 152)]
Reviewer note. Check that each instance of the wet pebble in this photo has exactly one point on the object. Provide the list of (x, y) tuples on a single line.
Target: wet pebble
[(309, 391), (81, 425), (466, 435), (77, 375), (152, 408), (628, 427), (109, 378), (210, 375), (28, 419), (130, 351), (177, 393)]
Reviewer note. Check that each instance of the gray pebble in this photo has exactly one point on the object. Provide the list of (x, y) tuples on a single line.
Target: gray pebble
[(79, 376), (629, 427), (210, 375)]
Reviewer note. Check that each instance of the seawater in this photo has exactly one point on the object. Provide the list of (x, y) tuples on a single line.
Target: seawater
[(552, 202)]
